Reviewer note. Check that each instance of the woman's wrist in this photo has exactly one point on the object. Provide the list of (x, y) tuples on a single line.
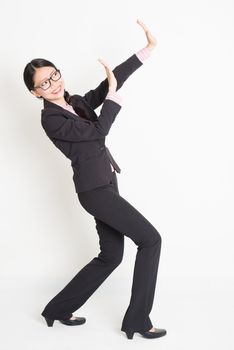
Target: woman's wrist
[(112, 95), (112, 90), (144, 53), (150, 47)]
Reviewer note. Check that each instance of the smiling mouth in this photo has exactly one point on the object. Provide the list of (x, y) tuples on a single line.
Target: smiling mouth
[(57, 90)]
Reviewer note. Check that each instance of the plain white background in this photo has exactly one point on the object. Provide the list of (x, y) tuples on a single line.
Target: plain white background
[(173, 140)]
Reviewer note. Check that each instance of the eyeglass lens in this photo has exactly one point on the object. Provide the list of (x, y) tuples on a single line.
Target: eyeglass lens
[(47, 83)]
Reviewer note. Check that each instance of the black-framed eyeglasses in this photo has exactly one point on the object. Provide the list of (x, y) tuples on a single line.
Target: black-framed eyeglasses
[(46, 84)]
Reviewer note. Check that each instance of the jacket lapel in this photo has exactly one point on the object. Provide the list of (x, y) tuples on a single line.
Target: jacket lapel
[(79, 105), (49, 105)]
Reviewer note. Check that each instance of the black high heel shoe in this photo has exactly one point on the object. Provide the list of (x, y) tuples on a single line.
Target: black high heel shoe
[(69, 322), (159, 332)]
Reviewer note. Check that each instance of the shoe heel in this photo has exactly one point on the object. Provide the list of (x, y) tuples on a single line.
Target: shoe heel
[(49, 322), (129, 335)]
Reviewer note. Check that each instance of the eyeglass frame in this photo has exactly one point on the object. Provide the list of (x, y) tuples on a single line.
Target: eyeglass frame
[(49, 79)]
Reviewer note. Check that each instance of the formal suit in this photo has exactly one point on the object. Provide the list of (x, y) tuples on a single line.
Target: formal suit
[(83, 142)]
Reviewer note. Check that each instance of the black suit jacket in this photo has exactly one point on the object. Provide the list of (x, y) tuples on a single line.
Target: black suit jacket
[(83, 140)]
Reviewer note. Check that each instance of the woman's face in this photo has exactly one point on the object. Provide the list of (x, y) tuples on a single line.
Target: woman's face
[(55, 91)]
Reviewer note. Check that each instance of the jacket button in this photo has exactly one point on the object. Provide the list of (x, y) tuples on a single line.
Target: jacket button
[(101, 148)]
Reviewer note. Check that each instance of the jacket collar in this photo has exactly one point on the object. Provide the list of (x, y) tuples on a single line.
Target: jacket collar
[(49, 104), (75, 101)]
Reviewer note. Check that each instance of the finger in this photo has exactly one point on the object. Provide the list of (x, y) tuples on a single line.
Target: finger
[(101, 61), (142, 25), (104, 63)]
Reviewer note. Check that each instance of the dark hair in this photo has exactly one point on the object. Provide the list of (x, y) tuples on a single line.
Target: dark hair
[(29, 72), (78, 103)]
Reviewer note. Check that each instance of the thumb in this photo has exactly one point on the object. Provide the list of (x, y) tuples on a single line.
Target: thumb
[(103, 62)]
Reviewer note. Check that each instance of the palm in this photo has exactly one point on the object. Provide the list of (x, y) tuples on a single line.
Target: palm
[(152, 42)]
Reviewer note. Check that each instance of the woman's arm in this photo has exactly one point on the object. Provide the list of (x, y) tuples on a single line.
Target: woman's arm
[(61, 128), (57, 126), (96, 97)]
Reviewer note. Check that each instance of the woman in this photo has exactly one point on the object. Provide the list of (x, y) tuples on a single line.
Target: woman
[(73, 126)]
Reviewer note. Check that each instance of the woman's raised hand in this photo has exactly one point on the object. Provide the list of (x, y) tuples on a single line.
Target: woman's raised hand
[(152, 42), (110, 76)]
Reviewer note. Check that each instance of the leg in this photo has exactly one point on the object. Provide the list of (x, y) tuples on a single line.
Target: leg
[(83, 285), (90, 277), (109, 207)]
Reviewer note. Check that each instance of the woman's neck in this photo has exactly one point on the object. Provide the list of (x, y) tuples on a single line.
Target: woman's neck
[(61, 102)]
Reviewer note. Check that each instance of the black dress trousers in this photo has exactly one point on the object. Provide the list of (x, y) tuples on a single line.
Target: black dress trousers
[(115, 218)]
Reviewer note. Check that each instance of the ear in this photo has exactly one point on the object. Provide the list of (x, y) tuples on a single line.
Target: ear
[(35, 94)]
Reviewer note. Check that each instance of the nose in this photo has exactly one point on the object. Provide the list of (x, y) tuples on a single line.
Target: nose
[(54, 85)]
